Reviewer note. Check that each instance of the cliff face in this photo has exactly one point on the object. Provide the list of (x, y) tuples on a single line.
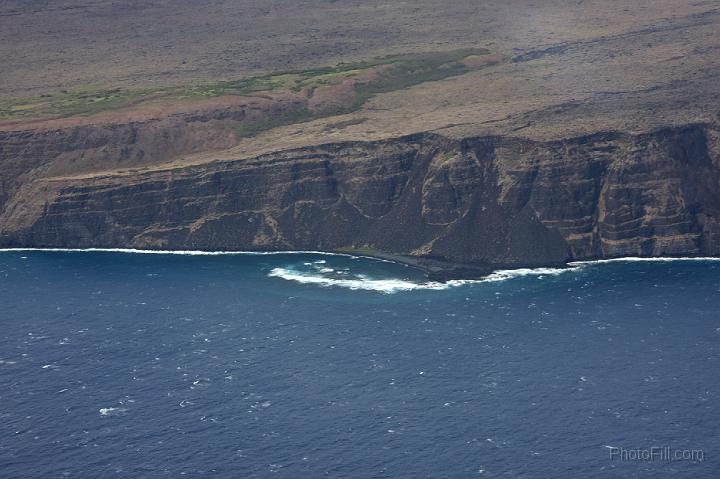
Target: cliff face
[(78, 145), (486, 200)]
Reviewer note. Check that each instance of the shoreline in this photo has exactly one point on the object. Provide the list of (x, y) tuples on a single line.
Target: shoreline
[(435, 269)]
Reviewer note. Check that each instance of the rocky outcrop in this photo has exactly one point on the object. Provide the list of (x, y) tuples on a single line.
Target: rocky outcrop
[(493, 201)]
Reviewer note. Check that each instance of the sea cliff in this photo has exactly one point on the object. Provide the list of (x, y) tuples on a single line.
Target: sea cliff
[(489, 201)]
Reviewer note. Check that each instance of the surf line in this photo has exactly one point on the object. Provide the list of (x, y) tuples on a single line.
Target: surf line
[(644, 259), (330, 253), (191, 252)]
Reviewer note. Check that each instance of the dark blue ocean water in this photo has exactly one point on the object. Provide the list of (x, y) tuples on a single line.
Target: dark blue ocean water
[(134, 365)]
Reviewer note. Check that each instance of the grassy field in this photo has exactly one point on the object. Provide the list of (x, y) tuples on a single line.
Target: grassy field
[(71, 103), (393, 73), (406, 70)]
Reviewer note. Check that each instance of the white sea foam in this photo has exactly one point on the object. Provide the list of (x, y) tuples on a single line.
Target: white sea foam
[(361, 282), (637, 259), (505, 274), (390, 285), (107, 411), (174, 252), (325, 253), (394, 285), (193, 252)]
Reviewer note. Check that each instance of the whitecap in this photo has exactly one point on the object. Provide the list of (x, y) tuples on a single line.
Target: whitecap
[(107, 411)]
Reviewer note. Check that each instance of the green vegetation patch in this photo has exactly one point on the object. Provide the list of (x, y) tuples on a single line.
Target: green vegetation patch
[(392, 72), (401, 71), (73, 103)]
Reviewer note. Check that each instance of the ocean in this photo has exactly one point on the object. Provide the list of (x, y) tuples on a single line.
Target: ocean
[(308, 365)]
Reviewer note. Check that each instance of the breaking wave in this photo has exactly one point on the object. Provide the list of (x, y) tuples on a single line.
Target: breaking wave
[(318, 272), (358, 282), (394, 285), (638, 259), (505, 274)]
